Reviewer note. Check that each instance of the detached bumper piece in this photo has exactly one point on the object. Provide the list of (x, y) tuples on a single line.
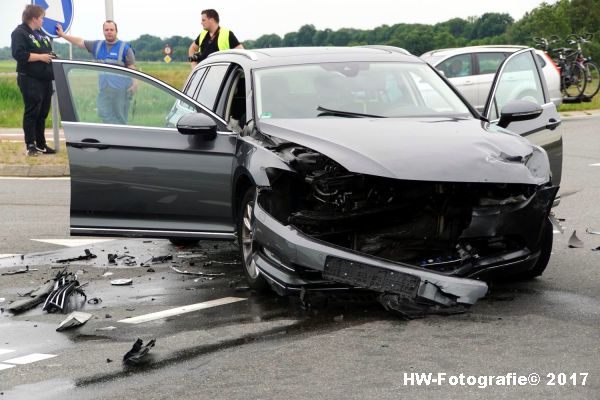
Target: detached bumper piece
[(404, 288)]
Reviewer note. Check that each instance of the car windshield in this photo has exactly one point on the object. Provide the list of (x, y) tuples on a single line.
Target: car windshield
[(354, 89)]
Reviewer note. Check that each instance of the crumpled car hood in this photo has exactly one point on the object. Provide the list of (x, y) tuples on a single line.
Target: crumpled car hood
[(424, 149)]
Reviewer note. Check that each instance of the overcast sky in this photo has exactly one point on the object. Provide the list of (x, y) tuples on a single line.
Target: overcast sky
[(251, 19)]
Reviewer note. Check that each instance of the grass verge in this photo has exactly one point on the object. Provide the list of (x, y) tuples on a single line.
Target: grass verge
[(13, 153)]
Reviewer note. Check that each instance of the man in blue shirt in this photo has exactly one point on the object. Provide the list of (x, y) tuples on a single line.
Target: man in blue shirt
[(115, 90)]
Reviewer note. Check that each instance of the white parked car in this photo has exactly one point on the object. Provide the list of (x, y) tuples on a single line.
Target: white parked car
[(472, 69)]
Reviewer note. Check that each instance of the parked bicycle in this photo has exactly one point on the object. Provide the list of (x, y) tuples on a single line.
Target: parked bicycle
[(580, 77)]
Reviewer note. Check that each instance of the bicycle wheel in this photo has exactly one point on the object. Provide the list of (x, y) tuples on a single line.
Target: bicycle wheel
[(592, 77), (573, 82)]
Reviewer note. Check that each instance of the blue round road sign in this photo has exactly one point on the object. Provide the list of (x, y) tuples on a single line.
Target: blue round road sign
[(57, 12)]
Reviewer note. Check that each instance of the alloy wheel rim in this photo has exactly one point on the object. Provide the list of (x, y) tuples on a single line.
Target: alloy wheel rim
[(248, 239)]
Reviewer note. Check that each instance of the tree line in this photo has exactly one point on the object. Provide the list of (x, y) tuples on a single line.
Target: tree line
[(561, 18)]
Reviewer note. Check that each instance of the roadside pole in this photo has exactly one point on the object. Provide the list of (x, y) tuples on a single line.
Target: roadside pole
[(55, 118), (108, 5)]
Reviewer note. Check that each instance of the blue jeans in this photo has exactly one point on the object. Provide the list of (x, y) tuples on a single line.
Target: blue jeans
[(113, 105)]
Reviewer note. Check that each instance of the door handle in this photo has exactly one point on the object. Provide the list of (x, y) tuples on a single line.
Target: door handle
[(553, 124), (92, 144)]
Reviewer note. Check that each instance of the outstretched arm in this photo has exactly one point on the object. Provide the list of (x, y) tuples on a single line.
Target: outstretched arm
[(77, 41)]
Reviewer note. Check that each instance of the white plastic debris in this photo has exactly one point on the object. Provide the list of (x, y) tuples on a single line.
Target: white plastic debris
[(76, 318), (108, 274), (122, 282)]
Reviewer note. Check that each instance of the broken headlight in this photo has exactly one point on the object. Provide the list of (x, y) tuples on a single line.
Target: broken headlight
[(538, 164)]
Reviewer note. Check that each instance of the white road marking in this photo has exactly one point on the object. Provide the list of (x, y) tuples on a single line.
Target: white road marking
[(595, 165), (5, 351), (5, 366), (27, 178), (30, 358), (72, 242), (8, 255), (181, 310)]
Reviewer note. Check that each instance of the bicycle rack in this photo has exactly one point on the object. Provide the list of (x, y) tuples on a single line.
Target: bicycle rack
[(577, 99)]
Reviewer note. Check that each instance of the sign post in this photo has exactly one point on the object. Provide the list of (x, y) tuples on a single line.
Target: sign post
[(167, 51), (57, 12)]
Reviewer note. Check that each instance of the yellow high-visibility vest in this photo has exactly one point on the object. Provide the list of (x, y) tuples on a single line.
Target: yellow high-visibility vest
[(222, 42)]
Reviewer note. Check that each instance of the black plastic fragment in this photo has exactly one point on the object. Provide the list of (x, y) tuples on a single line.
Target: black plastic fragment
[(19, 271), (88, 256), (138, 352), (34, 298)]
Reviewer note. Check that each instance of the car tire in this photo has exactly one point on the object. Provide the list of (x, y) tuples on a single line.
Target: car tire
[(245, 226), (180, 241), (545, 252)]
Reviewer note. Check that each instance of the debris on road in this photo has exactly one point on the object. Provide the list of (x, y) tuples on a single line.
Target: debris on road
[(575, 242), (121, 282), (20, 271), (196, 273), (138, 352), (94, 300), (88, 256), (35, 297), (75, 319), (65, 284), (106, 329), (107, 274), (159, 259), (596, 249), (592, 231), (126, 259)]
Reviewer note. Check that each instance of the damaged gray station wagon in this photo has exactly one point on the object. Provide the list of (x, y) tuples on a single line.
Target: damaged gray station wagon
[(334, 168)]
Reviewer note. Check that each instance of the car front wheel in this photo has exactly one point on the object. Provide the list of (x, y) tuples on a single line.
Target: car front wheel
[(245, 232), (545, 252)]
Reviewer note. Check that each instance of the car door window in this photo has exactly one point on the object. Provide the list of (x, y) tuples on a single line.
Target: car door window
[(519, 80), (489, 62), (457, 66), (101, 94), (211, 85), (193, 85)]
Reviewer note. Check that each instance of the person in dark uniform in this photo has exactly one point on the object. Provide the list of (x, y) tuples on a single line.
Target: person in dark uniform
[(213, 38), (115, 91), (33, 51)]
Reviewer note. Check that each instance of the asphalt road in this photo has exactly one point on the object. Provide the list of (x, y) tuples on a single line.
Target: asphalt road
[(261, 346)]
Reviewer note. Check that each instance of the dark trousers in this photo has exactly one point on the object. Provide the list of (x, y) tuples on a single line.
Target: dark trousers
[(37, 96)]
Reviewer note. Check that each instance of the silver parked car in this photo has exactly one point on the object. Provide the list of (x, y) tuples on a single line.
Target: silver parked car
[(472, 70), (333, 168)]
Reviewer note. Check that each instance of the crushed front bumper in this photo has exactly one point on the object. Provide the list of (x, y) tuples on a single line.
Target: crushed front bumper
[(285, 251)]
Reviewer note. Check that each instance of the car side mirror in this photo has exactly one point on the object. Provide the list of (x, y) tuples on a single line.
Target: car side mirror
[(518, 110), (197, 124)]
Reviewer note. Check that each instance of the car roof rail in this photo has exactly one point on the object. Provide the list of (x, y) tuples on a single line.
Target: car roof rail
[(241, 52), (384, 47)]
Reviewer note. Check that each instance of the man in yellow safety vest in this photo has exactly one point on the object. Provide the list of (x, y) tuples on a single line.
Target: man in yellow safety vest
[(213, 38)]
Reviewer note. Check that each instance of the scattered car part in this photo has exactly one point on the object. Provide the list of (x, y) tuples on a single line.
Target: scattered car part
[(197, 273), (108, 274), (575, 242), (592, 231), (19, 271), (121, 282), (596, 249), (35, 297), (106, 328), (138, 352), (558, 228), (94, 300), (88, 256), (75, 319), (160, 259), (65, 284)]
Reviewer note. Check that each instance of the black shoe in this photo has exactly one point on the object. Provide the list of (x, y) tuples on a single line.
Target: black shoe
[(45, 149), (31, 151)]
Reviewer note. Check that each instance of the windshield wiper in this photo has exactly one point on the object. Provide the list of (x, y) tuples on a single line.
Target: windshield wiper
[(338, 113)]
